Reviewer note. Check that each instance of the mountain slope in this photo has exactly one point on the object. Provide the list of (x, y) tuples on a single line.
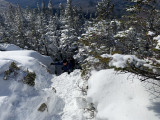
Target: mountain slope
[(87, 5), (3, 5)]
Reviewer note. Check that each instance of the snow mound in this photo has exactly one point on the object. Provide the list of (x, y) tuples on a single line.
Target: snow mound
[(19, 101), (56, 96), (118, 98), (24, 56), (31, 60)]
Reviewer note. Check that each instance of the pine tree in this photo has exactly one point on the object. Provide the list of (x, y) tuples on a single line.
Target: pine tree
[(43, 6), (10, 25), (2, 29), (20, 27), (143, 18), (61, 11), (50, 7), (105, 9), (69, 13), (38, 7)]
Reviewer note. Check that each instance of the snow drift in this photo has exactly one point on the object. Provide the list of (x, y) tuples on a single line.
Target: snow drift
[(115, 96), (120, 97), (57, 94), (19, 101)]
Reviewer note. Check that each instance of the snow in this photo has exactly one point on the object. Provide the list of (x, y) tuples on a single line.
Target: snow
[(105, 56), (122, 34), (120, 61), (92, 59), (19, 101), (150, 33), (67, 88), (158, 40), (9, 47), (116, 97), (131, 9)]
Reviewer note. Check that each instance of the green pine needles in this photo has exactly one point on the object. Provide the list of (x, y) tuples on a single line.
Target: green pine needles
[(14, 71)]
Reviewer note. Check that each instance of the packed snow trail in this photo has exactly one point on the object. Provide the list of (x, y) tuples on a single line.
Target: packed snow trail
[(66, 86)]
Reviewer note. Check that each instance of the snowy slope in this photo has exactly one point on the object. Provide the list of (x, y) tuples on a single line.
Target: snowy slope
[(115, 96), (19, 101), (120, 97)]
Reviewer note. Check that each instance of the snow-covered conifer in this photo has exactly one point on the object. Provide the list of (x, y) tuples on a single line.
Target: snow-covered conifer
[(105, 9), (50, 7)]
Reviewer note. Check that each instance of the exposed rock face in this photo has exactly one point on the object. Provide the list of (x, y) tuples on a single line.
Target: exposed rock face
[(43, 107)]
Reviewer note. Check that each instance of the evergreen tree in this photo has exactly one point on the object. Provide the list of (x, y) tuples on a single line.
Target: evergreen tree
[(2, 29), (50, 7), (10, 25), (53, 36), (105, 9), (38, 8), (43, 6), (61, 11), (69, 13), (20, 27), (143, 18)]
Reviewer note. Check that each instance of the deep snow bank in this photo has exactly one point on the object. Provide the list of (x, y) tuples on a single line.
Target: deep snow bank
[(31, 60), (118, 98), (25, 56), (19, 101)]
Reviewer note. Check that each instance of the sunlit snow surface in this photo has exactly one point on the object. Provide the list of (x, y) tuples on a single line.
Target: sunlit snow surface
[(19, 101), (120, 97), (158, 41), (115, 96)]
